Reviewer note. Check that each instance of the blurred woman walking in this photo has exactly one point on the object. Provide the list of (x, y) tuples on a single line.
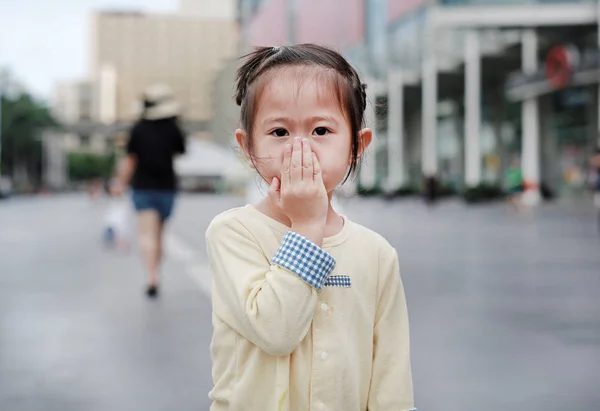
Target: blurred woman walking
[(154, 141)]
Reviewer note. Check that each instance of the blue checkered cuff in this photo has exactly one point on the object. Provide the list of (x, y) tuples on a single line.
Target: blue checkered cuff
[(338, 281), (305, 259)]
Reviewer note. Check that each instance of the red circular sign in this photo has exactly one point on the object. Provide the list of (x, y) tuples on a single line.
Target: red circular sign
[(559, 66)]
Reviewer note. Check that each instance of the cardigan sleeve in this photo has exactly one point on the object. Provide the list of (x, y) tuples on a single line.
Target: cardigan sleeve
[(270, 302)]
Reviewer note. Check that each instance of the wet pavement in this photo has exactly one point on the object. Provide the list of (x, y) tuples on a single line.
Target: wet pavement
[(504, 307)]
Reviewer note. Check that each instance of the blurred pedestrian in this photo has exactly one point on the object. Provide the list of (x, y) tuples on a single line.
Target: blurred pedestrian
[(431, 189), (292, 278), (148, 166), (513, 177)]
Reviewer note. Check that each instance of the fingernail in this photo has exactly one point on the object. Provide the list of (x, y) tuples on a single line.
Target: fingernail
[(305, 140), (297, 144), (297, 138)]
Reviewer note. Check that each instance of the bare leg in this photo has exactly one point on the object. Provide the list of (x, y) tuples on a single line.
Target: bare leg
[(159, 242), (150, 228)]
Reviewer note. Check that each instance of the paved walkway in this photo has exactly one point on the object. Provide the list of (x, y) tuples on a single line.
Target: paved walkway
[(504, 307)]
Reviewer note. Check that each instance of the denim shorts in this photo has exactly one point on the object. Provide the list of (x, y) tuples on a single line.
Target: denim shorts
[(160, 201)]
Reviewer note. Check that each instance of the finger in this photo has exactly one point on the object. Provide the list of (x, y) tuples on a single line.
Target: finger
[(307, 160), (296, 166), (287, 160), (274, 191), (317, 175)]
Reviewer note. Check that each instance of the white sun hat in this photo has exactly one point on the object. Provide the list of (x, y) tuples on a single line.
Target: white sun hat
[(159, 103)]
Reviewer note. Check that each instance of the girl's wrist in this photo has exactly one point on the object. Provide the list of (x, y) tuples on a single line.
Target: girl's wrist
[(314, 231)]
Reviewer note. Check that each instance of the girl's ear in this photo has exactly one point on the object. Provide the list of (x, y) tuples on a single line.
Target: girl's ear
[(365, 136), (242, 139)]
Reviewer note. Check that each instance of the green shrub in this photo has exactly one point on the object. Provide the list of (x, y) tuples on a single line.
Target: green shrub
[(403, 191), (86, 166), (483, 193), (406, 191)]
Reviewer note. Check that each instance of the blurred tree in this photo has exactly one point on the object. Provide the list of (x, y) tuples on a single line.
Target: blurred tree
[(23, 120), (87, 166)]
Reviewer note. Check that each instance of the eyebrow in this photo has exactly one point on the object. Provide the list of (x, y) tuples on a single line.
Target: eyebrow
[(313, 119)]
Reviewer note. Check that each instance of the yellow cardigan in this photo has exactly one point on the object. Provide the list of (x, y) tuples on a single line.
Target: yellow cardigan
[(298, 327)]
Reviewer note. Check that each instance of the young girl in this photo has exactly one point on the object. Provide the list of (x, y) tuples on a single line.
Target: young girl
[(308, 307)]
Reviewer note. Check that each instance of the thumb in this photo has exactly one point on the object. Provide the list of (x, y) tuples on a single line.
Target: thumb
[(274, 191)]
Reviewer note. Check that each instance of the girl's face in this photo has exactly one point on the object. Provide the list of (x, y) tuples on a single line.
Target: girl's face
[(308, 108)]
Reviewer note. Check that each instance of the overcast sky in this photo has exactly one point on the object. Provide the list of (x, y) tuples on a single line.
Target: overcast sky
[(45, 41)]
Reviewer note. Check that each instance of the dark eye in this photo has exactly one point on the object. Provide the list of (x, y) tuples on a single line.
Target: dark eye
[(321, 131), (280, 132)]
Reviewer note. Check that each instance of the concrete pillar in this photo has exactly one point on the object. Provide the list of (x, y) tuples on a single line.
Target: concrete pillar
[(395, 140), (472, 109), (429, 111), (368, 169), (530, 154)]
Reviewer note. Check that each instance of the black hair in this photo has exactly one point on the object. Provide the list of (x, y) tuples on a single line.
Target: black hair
[(350, 91)]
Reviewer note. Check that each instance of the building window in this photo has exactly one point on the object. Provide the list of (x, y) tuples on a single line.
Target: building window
[(84, 140)]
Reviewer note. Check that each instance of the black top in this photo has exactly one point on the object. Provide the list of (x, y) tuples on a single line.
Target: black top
[(154, 143)]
